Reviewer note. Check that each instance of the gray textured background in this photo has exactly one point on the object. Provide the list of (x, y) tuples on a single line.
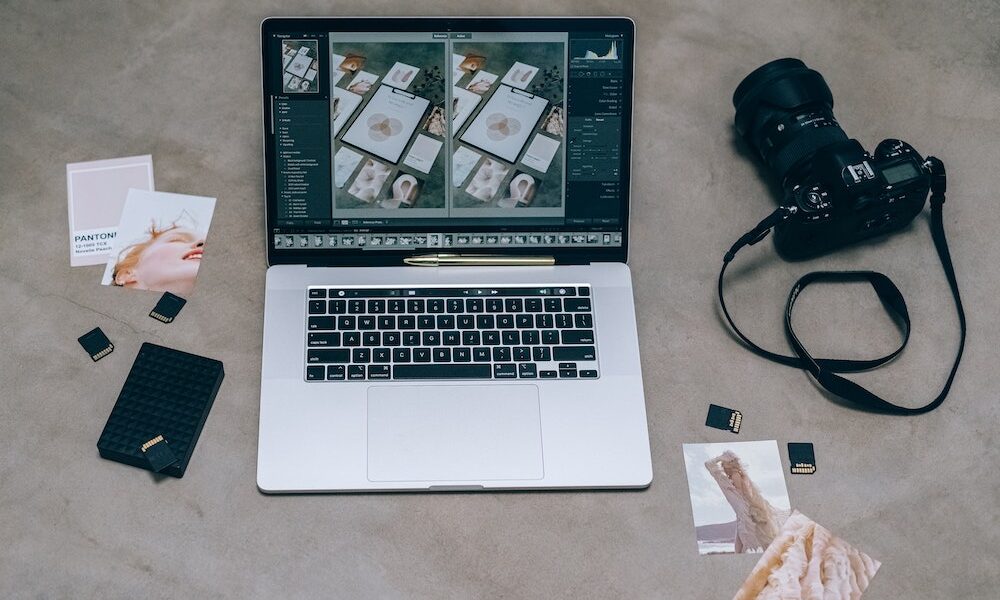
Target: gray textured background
[(87, 80)]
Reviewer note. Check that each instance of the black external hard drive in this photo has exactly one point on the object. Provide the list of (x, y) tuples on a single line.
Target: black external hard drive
[(161, 409)]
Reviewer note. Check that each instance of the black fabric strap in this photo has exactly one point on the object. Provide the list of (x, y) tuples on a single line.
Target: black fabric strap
[(825, 370)]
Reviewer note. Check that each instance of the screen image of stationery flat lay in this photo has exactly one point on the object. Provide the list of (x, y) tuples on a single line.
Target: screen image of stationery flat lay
[(808, 221)]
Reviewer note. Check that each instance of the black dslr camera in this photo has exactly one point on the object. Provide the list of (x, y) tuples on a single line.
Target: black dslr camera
[(833, 194), (836, 192)]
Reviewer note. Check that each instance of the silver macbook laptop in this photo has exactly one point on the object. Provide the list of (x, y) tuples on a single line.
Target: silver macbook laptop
[(448, 305)]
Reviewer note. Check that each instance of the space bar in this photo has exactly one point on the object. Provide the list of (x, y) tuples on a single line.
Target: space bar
[(441, 372)]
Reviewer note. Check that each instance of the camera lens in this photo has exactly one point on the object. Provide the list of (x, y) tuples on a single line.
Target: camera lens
[(784, 110)]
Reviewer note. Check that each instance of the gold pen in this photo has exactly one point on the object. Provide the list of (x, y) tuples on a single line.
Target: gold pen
[(478, 260)]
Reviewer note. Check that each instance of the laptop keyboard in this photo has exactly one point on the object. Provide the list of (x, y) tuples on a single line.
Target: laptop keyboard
[(358, 334)]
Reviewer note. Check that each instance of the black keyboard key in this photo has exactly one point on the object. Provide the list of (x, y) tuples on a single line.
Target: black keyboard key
[(425, 322), (505, 321), (494, 305), (531, 337), (414, 306), (317, 293), (381, 355), (435, 305), (471, 338), (522, 353), (451, 338), (356, 372), (387, 322), (317, 307), (376, 307), (527, 370), (361, 355), (574, 353), (550, 336), (510, 338), (422, 355), (315, 373), (371, 339), (378, 372), (541, 353), (501, 353), (335, 372), (336, 307), (514, 305), (390, 338), (491, 338), (474, 305), (355, 306), (432, 338), (553, 305), (351, 338), (567, 373), (533, 305), (455, 305), (485, 322), (584, 291), (324, 339), (544, 321), (346, 323), (446, 322), (588, 373), (397, 306), (442, 355), (583, 320), (567, 365), (449, 371), (339, 355), (578, 336), (461, 354), (548, 374), (366, 323), (320, 323), (406, 322), (576, 304), (481, 354), (465, 322), (411, 338), (401, 355), (524, 321), (505, 370), (564, 321)]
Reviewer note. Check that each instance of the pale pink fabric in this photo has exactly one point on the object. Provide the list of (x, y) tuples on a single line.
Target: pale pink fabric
[(807, 562)]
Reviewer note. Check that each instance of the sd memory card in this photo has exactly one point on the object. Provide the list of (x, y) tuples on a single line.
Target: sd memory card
[(724, 418), (167, 307), (96, 344), (801, 458)]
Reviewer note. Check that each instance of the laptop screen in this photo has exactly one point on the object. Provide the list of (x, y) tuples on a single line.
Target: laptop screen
[(397, 136)]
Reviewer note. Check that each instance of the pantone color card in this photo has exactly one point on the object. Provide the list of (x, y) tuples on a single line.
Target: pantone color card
[(96, 193)]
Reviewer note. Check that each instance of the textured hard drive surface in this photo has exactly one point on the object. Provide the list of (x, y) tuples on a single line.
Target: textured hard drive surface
[(168, 393)]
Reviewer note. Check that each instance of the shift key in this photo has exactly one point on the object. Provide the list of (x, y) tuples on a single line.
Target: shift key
[(574, 353)]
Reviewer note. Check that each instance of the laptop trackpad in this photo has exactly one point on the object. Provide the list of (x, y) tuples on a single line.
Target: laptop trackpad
[(454, 433)]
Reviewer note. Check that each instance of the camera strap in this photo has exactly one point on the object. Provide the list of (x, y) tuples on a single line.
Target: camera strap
[(824, 370)]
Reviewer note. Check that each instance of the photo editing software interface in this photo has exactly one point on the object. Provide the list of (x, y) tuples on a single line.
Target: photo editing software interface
[(459, 140)]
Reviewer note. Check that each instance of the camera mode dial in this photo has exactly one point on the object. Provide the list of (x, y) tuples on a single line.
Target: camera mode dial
[(892, 148), (811, 198)]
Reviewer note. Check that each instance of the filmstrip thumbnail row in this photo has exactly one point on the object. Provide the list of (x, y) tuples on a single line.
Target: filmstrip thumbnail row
[(447, 240)]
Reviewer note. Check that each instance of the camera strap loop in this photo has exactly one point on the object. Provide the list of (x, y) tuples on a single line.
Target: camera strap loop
[(825, 370)]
